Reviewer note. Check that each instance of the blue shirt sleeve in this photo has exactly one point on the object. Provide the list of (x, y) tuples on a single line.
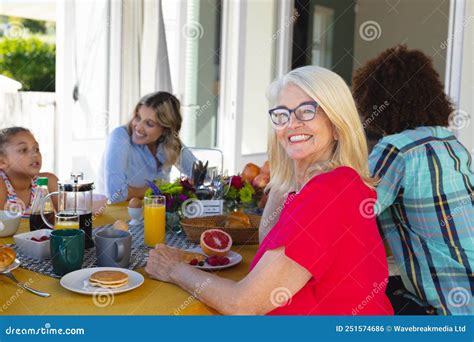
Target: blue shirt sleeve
[(387, 163), (116, 157)]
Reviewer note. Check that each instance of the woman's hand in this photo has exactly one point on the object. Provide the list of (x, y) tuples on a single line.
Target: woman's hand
[(162, 261)]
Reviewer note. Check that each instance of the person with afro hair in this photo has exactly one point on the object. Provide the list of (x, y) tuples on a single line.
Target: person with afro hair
[(425, 198)]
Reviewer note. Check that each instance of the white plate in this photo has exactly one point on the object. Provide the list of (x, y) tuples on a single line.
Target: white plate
[(235, 258), (11, 267), (78, 281)]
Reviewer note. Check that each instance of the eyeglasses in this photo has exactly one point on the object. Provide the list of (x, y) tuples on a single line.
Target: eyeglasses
[(281, 116)]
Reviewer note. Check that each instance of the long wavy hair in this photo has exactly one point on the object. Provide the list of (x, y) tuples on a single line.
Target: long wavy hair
[(334, 97), (167, 109)]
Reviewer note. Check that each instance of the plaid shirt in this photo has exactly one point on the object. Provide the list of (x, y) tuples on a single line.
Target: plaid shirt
[(425, 210)]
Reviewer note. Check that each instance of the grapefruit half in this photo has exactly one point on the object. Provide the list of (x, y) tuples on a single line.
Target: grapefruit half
[(215, 242)]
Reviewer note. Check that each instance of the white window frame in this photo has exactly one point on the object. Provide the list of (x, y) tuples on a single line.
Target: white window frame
[(454, 53), (233, 42), (229, 130)]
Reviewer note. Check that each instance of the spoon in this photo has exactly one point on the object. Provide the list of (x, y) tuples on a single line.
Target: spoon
[(7, 273)]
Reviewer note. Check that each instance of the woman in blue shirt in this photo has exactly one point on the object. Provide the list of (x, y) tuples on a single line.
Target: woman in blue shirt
[(145, 149)]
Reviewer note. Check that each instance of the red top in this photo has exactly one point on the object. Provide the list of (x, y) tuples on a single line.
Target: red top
[(323, 230)]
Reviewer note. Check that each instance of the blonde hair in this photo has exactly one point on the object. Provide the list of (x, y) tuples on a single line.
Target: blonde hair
[(334, 97), (167, 109)]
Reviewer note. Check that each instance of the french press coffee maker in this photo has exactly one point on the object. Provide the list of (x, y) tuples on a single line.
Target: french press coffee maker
[(75, 199)]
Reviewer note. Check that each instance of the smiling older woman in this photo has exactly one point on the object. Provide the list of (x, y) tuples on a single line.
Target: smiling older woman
[(324, 256)]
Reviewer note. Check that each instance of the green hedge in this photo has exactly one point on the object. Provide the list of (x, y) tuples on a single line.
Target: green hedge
[(29, 61)]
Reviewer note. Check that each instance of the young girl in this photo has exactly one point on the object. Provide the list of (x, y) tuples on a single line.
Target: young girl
[(20, 165)]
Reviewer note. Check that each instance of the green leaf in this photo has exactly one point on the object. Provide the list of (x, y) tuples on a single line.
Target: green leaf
[(30, 61)]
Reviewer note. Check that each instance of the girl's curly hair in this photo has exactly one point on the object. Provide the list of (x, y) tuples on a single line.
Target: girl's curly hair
[(400, 90)]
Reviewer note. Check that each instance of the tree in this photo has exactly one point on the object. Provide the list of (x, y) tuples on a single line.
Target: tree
[(29, 61)]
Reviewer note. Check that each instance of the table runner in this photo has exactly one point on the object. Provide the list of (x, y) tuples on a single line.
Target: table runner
[(138, 257)]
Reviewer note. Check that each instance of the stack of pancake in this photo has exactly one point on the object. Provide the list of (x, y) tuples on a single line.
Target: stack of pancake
[(108, 279)]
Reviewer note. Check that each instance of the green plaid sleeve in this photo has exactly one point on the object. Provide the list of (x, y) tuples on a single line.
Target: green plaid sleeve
[(386, 162)]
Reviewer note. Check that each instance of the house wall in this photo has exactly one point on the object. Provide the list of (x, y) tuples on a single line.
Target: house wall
[(420, 24), (466, 104)]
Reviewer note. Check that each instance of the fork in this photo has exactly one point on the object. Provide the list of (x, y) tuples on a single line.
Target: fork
[(7, 273)]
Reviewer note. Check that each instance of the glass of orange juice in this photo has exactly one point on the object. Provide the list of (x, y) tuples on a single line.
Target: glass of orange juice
[(66, 221), (155, 220)]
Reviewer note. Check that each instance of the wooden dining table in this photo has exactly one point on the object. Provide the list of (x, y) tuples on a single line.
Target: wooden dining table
[(151, 298)]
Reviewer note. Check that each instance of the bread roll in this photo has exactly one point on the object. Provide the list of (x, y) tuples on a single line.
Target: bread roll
[(237, 219), (7, 256)]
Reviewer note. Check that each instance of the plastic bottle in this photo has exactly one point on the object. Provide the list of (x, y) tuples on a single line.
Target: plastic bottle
[(36, 222)]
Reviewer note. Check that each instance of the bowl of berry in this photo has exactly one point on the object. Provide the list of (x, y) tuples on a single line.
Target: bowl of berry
[(34, 244)]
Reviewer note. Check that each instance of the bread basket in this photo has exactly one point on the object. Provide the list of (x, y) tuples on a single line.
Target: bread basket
[(194, 227)]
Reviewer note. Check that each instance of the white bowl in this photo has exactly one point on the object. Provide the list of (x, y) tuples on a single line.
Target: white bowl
[(9, 223), (136, 214), (34, 249), (99, 204)]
